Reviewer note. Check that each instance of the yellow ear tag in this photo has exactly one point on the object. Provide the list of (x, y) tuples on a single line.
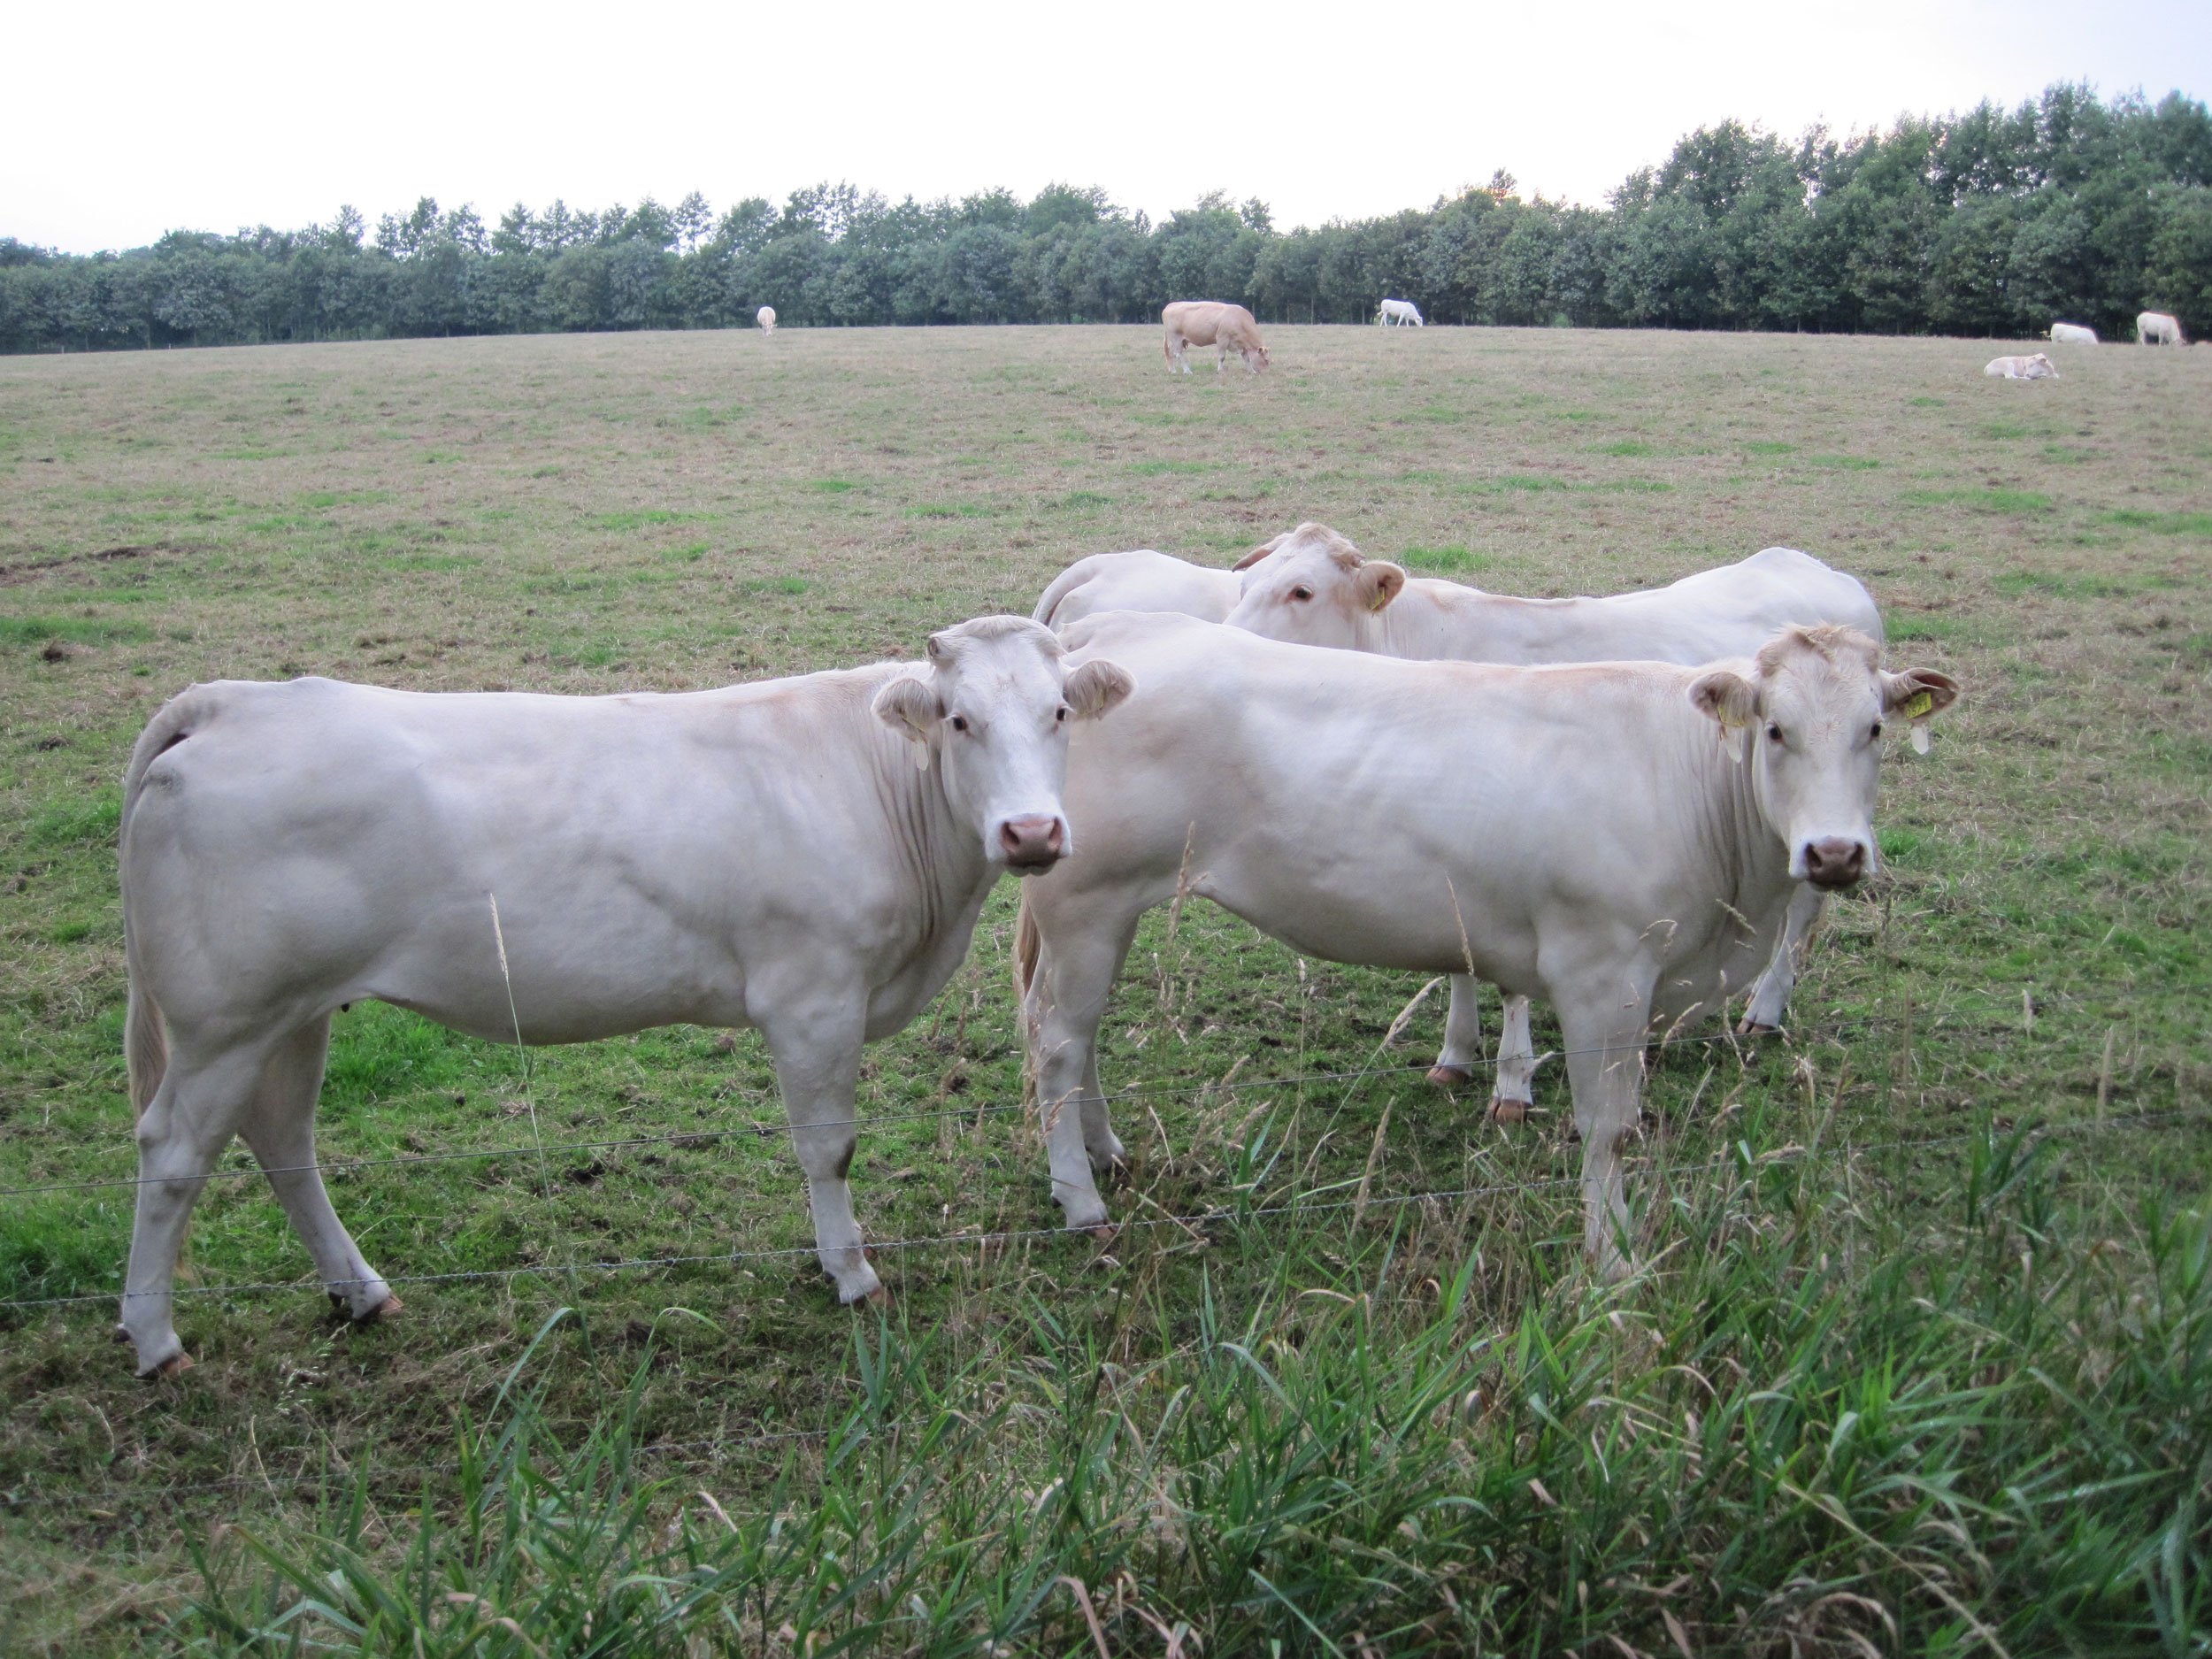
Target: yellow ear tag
[(1922, 704)]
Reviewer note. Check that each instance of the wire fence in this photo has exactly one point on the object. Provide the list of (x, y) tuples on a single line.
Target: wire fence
[(1304, 1204)]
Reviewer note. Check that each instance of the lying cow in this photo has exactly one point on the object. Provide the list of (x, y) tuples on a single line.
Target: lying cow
[(2038, 367), (1622, 838), (1398, 313), (1314, 588), (806, 856), (2158, 329), (766, 317), (2074, 333), (1211, 323), (1140, 580)]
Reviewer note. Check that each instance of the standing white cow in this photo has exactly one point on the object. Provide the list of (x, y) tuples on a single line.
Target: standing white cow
[(806, 856), (1622, 838), (2158, 329), (1398, 313), (1314, 588), (2038, 367), (1211, 323), (2073, 333), (1139, 580), (766, 317)]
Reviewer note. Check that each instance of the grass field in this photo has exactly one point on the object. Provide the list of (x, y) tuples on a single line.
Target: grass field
[(1903, 1377)]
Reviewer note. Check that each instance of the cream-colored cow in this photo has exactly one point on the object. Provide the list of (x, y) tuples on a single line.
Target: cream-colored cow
[(1211, 323)]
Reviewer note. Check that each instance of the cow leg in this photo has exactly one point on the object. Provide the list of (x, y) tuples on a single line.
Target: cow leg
[(1770, 995), (1514, 1090), (1604, 1015), (1462, 1053), (181, 1134), (816, 1050), (279, 1124), (1101, 1144), (1067, 999)]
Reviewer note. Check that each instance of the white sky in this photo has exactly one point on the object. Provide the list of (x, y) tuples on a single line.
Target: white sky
[(128, 119)]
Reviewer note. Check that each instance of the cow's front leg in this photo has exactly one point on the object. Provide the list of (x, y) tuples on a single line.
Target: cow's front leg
[(1513, 1094), (1066, 1001), (1462, 1053), (1770, 995), (816, 1050), (1604, 1015)]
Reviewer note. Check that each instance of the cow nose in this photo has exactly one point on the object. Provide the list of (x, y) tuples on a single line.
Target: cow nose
[(1031, 843), (1834, 862)]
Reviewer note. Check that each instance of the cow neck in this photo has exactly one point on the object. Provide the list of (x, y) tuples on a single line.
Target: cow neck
[(1753, 861), (942, 855)]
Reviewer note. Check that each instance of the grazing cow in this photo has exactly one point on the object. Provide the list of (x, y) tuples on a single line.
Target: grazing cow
[(2038, 367), (766, 317), (1398, 313), (806, 856), (1622, 838), (1141, 581), (1316, 588), (2073, 333), (2158, 329), (1211, 323)]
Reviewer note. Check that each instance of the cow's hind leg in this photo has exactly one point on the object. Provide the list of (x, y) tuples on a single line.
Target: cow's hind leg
[(1513, 1092), (279, 1125), (1075, 974), (1770, 995), (1462, 1055), (181, 1134), (817, 1048)]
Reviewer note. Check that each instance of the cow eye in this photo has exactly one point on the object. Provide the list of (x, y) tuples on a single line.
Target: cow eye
[(1302, 593), (1062, 714), (1774, 733), (1876, 732), (959, 722)]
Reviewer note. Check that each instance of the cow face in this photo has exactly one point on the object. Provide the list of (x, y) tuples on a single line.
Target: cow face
[(1313, 587), (992, 708), (1809, 721)]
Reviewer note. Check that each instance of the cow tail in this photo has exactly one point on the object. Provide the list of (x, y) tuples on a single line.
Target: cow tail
[(1028, 946), (1065, 583), (145, 1039)]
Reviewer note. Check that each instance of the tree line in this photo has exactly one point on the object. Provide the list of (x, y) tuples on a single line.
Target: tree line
[(1992, 222)]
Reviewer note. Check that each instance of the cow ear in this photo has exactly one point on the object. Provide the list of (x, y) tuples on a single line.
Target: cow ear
[(911, 707), (1096, 686), (1259, 553), (1918, 693), (1379, 582), (1726, 697)]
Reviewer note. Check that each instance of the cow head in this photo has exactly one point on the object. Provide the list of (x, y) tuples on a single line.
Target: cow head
[(1809, 719), (991, 708), (1314, 588)]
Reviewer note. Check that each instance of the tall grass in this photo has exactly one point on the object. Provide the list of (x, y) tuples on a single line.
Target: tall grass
[(1800, 1430)]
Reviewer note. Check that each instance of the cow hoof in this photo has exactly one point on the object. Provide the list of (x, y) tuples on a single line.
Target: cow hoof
[(1451, 1076), (383, 1309), (175, 1365), (879, 1298), (1751, 1027), (1509, 1112), (1105, 1233)]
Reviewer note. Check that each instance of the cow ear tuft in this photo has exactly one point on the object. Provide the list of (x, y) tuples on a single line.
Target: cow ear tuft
[(1379, 582), (1096, 686), (911, 707), (1259, 553)]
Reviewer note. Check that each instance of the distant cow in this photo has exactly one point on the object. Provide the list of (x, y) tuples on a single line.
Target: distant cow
[(2073, 333), (2035, 368), (1398, 313), (2158, 329), (766, 317), (1139, 580), (1211, 323), (804, 857)]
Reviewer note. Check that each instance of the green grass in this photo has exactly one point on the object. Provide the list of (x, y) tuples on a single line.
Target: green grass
[(2010, 501), (1959, 1379)]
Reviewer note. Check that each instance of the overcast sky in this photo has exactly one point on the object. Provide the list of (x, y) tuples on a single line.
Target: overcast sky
[(128, 119)]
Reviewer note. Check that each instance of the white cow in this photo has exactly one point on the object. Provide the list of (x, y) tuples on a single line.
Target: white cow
[(766, 317), (1139, 580), (1316, 588), (1622, 838), (2073, 333), (2158, 329), (1398, 313), (2038, 367), (806, 856), (1211, 323)]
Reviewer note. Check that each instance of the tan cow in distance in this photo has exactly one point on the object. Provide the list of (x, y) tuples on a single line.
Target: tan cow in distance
[(1211, 323)]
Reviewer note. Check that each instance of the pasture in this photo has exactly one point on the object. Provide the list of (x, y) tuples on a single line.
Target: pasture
[(1922, 1360)]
